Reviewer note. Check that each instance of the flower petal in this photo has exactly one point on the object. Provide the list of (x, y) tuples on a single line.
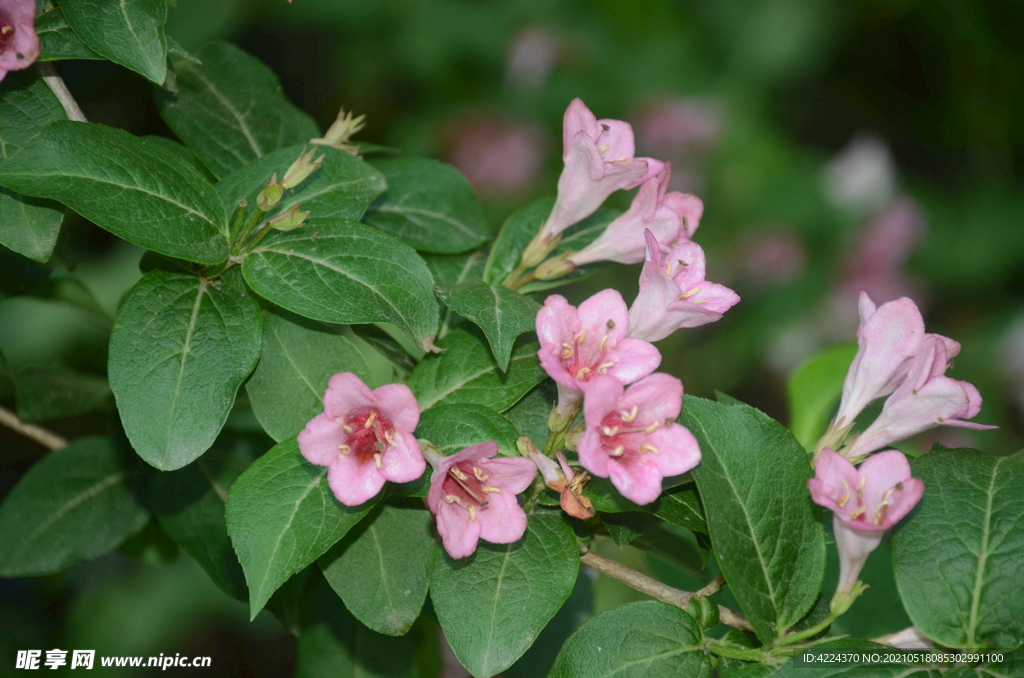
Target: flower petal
[(459, 534), (346, 394), (636, 478), (399, 406), (403, 462), (502, 521), (319, 441), (353, 483)]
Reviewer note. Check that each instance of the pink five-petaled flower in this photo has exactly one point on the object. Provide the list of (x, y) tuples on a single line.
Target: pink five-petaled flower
[(669, 216), (473, 496), (577, 344), (599, 160), (865, 501), (631, 436), (926, 399), (674, 293), (889, 337), (19, 45), (364, 437)]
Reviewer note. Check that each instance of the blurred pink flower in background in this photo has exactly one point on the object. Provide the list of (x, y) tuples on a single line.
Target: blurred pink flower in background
[(772, 257), (862, 176), (532, 56), (683, 131), (499, 157)]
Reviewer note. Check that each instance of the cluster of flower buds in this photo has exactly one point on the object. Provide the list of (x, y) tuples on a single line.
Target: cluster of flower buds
[(898, 359)]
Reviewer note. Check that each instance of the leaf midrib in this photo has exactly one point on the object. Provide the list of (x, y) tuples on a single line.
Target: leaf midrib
[(459, 226), (494, 608), (441, 395), (229, 107), (972, 623)]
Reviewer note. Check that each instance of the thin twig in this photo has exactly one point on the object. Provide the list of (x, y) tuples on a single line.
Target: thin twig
[(39, 434), (715, 584), (657, 590), (60, 90)]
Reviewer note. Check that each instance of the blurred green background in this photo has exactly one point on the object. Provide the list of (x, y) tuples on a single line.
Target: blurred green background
[(838, 146)]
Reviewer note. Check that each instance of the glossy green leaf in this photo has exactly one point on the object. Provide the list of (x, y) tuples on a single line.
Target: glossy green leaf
[(28, 226), (149, 196), (333, 644), (452, 269), (522, 226), (129, 32), (455, 427), (466, 373), (530, 414), (230, 111), (56, 39), (55, 392), (626, 526), (386, 345), (958, 556), (180, 349), (429, 205), (814, 390), (347, 273), (753, 482), (190, 505), (341, 188), (577, 609), (75, 504), (298, 358), (380, 570), (281, 517), (501, 313), (638, 640), (679, 505), (493, 604)]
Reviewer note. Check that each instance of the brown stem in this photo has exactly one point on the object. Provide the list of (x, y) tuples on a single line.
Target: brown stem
[(715, 584), (39, 434), (655, 589), (60, 90)]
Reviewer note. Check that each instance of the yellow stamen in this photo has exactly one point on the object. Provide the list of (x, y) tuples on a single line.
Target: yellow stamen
[(6, 30), (457, 473), (472, 511), (604, 367), (389, 436), (346, 428), (609, 430), (488, 488), (370, 419), (629, 416), (653, 427), (861, 486), (345, 449), (582, 372), (619, 451), (858, 513), (649, 448), (452, 499), (582, 336), (845, 496), (478, 474), (566, 351), (689, 293), (378, 460), (601, 344), (465, 488)]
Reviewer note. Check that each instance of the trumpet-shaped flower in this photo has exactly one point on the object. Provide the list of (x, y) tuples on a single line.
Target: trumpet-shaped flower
[(578, 344), (364, 437), (889, 337), (669, 216), (865, 501), (473, 496), (599, 160), (674, 293), (926, 399), (631, 436), (19, 45)]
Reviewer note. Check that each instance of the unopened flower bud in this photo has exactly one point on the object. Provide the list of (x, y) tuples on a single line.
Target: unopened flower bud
[(270, 196), (341, 131), (538, 250), (556, 267), (289, 220), (301, 169)]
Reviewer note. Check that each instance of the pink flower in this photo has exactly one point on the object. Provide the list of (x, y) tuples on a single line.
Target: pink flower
[(670, 217), (19, 46), (630, 436), (889, 337), (674, 293), (924, 400), (364, 437), (599, 160), (473, 496), (865, 502), (576, 345)]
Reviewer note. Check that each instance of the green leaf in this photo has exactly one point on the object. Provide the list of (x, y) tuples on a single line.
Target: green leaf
[(56, 39), (452, 269), (679, 505), (54, 393), (149, 197), (455, 427), (28, 226), (957, 558), (298, 359), (466, 373), (386, 345), (190, 504), (333, 644), (522, 226), (180, 349), (129, 32), (346, 273), (502, 314), (638, 640), (380, 571), (815, 389), (530, 415), (493, 604), (626, 526), (753, 482), (281, 517), (230, 111), (798, 667), (75, 504), (341, 188), (429, 206), (577, 609)]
